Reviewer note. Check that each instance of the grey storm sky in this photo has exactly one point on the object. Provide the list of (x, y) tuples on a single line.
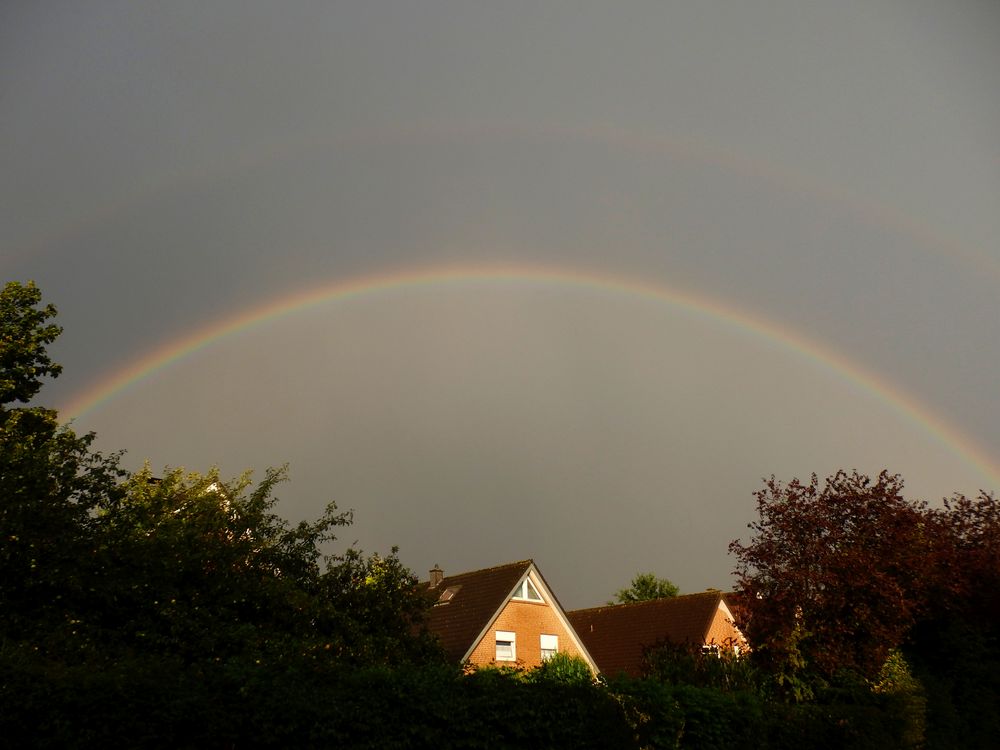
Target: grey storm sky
[(832, 169)]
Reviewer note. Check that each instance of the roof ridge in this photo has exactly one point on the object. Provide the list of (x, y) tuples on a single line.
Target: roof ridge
[(529, 561), (625, 605)]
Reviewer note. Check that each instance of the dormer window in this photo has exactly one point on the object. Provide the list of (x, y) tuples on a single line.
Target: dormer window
[(526, 591)]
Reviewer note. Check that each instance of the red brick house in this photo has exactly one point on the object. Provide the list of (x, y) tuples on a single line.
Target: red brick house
[(501, 615), (617, 636)]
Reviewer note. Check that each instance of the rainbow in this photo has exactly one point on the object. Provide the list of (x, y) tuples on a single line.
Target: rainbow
[(344, 290)]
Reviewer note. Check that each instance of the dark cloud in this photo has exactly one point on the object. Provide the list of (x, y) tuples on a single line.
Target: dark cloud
[(833, 169)]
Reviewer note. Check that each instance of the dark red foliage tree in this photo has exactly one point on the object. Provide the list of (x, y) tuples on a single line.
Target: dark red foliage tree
[(967, 545), (834, 576), (955, 647)]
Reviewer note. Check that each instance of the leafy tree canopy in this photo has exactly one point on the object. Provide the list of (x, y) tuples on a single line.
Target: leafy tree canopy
[(50, 480), (835, 574), (850, 581), (97, 565), (205, 569), (24, 334), (644, 587)]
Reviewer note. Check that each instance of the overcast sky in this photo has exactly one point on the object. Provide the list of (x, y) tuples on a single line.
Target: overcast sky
[(827, 170)]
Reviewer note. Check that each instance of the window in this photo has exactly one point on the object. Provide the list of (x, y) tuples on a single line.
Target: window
[(550, 645), (447, 595), (506, 646), (526, 590)]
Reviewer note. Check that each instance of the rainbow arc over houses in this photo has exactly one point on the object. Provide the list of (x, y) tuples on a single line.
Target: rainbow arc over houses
[(346, 289)]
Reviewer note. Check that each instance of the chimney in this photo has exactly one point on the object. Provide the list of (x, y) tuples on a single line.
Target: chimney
[(437, 575)]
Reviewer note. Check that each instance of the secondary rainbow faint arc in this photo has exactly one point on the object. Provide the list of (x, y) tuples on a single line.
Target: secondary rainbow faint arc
[(340, 289), (697, 150)]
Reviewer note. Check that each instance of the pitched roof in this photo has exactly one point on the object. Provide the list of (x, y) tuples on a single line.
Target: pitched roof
[(475, 599), (618, 635)]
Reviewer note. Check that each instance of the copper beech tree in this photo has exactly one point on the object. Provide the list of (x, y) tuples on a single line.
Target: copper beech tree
[(836, 574)]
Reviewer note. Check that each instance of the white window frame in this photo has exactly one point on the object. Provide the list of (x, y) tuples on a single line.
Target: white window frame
[(521, 593), (549, 645), (506, 637)]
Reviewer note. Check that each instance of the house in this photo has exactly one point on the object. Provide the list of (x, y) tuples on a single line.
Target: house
[(617, 636), (501, 615)]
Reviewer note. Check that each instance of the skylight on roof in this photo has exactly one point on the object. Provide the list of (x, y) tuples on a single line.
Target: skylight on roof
[(447, 595)]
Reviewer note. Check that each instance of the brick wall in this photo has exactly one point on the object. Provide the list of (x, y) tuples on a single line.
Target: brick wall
[(723, 632), (529, 620)]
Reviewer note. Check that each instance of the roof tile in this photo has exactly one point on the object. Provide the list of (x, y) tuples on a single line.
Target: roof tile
[(618, 635)]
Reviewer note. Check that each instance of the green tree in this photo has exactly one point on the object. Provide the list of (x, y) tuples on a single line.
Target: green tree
[(201, 568), (96, 564), (205, 569), (50, 484), (644, 587), (373, 605), (24, 334)]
